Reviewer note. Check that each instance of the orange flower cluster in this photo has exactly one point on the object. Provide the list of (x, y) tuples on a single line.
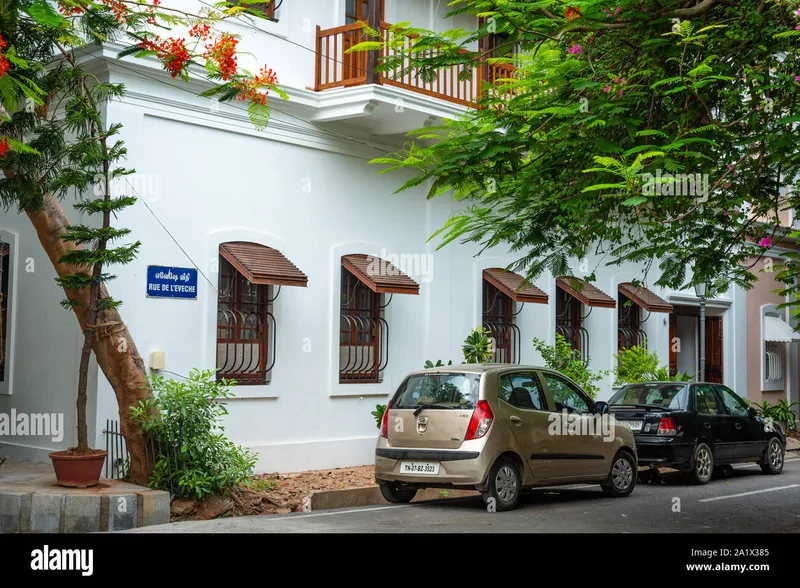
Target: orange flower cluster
[(4, 64), (223, 52), (172, 52), (68, 10), (200, 31), (119, 9), (4, 148), (257, 89), (573, 13)]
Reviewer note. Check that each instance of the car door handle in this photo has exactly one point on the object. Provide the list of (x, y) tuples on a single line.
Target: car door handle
[(707, 425), (515, 419)]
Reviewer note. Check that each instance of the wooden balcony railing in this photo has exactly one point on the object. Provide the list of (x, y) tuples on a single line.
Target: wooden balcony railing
[(338, 69)]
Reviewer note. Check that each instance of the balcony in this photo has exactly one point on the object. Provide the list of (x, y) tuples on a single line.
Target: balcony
[(335, 68)]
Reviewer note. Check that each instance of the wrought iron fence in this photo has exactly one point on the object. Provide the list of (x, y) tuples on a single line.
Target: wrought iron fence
[(118, 458)]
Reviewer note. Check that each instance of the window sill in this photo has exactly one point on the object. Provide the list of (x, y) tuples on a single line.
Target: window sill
[(382, 389), (263, 391)]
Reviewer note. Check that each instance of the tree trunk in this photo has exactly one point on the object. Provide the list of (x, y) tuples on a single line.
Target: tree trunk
[(113, 346)]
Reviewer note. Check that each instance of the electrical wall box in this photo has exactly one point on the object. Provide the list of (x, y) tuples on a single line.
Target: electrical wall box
[(157, 361)]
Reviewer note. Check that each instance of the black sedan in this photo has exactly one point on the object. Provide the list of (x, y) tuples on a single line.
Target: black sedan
[(695, 427)]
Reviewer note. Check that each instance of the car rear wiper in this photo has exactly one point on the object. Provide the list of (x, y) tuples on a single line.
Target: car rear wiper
[(422, 407)]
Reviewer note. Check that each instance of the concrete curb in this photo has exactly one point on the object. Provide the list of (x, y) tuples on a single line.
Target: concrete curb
[(371, 496), (32, 502)]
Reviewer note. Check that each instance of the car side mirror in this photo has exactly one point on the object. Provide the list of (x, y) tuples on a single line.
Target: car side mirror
[(601, 407)]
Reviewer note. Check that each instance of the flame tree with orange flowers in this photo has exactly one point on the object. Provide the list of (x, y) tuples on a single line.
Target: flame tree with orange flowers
[(54, 142)]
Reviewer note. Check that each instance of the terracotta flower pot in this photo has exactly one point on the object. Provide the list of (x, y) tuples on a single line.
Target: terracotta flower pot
[(78, 471)]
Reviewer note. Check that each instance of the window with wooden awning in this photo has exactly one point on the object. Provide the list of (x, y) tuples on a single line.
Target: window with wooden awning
[(634, 305), (572, 295), (502, 291), (251, 276), (367, 286)]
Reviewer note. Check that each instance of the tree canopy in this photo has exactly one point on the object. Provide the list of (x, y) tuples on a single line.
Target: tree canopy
[(656, 131)]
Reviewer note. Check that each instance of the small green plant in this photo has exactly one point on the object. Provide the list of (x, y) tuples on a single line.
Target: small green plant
[(781, 413), (262, 484), (563, 358), (636, 364), (443, 494), (429, 364), (378, 413), (183, 421), (477, 346)]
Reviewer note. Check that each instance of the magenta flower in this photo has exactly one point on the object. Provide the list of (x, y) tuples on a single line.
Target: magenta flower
[(797, 78), (575, 50), (765, 242), (607, 89)]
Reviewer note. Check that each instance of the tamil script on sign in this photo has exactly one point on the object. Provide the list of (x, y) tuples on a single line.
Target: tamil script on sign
[(171, 282)]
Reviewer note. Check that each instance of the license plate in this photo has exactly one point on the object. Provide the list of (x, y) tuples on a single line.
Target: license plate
[(634, 426), (419, 468)]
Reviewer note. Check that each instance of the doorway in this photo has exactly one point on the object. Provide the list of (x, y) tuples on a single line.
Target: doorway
[(684, 335)]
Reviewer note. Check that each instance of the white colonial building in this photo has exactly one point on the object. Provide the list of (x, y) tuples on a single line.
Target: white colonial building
[(280, 232)]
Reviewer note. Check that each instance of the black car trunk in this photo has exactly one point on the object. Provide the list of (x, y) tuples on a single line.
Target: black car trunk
[(641, 420)]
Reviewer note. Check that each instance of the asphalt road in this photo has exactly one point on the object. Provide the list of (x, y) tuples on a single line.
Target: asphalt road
[(746, 502)]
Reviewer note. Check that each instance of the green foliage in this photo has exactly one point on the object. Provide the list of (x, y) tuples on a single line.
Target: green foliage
[(636, 364), (566, 360), (429, 364), (183, 419), (378, 413), (262, 484), (782, 412), (562, 158), (477, 346)]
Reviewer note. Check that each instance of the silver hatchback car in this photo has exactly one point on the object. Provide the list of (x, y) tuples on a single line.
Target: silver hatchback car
[(499, 428)]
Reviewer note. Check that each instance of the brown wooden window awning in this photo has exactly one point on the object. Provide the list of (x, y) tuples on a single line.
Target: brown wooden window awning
[(379, 275), (262, 265), (587, 293), (514, 286), (645, 298)]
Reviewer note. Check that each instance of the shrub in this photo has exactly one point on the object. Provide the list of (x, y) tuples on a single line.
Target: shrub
[(636, 364), (378, 413), (182, 419), (563, 358), (477, 346), (781, 413)]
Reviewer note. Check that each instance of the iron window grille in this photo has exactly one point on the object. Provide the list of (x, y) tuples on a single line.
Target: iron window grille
[(245, 328), (5, 268), (499, 317), (569, 323), (773, 358), (363, 332), (629, 329)]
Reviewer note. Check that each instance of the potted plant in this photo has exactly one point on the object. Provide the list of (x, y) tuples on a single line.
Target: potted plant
[(89, 163)]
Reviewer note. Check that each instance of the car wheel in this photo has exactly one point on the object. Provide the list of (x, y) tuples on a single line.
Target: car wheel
[(505, 485), (702, 465), (773, 457), (622, 476), (396, 495)]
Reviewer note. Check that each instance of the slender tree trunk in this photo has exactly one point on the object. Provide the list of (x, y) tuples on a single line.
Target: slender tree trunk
[(112, 344)]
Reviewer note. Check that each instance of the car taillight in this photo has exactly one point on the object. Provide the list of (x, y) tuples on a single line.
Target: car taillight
[(481, 420), (385, 422), (666, 427)]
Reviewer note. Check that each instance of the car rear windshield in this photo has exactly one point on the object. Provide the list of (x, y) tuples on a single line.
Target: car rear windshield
[(445, 390), (670, 396)]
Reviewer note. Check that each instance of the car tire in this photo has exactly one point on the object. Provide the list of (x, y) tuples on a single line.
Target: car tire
[(622, 476), (702, 465), (774, 456), (396, 495), (504, 486)]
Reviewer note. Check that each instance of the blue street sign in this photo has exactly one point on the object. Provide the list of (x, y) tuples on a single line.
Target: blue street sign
[(171, 282)]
